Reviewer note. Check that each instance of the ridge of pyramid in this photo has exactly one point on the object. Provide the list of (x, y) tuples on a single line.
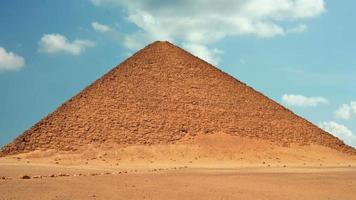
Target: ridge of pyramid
[(161, 94)]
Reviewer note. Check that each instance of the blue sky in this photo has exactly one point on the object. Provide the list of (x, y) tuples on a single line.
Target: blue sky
[(300, 53)]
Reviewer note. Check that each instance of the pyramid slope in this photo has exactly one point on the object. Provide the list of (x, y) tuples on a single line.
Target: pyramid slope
[(159, 95)]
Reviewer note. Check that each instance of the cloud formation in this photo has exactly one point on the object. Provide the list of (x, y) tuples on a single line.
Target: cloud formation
[(345, 111), (303, 101), (353, 106), (201, 23), (101, 27), (211, 56), (340, 131), (10, 61), (298, 29), (56, 43)]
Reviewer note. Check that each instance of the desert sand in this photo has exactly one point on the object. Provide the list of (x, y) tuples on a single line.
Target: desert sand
[(206, 167), (177, 183)]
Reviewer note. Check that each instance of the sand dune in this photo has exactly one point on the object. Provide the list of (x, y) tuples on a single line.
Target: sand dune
[(206, 151)]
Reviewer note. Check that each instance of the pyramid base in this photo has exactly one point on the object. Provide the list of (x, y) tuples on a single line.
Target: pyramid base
[(202, 151)]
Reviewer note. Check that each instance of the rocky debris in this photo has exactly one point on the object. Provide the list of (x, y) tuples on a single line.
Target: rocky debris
[(25, 177), (91, 174), (160, 95), (61, 174)]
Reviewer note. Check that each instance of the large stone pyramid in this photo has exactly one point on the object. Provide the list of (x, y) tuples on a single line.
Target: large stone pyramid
[(158, 96)]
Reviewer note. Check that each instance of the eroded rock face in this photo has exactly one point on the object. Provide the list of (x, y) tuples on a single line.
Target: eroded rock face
[(159, 95)]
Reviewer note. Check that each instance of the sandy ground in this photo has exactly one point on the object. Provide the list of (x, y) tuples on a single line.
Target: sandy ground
[(201, 151), (177, 183), (211, 167)]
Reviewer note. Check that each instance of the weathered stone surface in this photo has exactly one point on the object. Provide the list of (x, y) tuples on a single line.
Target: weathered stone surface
[(158, 96)]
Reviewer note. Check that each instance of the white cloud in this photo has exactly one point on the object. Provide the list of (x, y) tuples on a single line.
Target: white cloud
[(340, 131), (56, 43), (10, 61), (343, 112), (101, 27), (303, 101), (202, 23), (353, 106), (203, 52), (298, 29)]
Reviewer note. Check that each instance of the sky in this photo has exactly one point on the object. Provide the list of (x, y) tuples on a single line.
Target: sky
[(300, 53)]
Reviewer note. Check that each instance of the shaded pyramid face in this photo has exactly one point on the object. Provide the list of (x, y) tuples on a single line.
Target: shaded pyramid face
[(160, 95)]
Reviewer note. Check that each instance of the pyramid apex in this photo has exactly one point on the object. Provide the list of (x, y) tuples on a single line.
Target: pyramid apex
[(161, 43)]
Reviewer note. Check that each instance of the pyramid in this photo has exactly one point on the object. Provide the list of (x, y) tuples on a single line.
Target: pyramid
[(160, 95)]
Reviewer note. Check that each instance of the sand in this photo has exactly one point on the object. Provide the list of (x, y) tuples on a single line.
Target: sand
[(201, 151), (207, 167), (180, 183)]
